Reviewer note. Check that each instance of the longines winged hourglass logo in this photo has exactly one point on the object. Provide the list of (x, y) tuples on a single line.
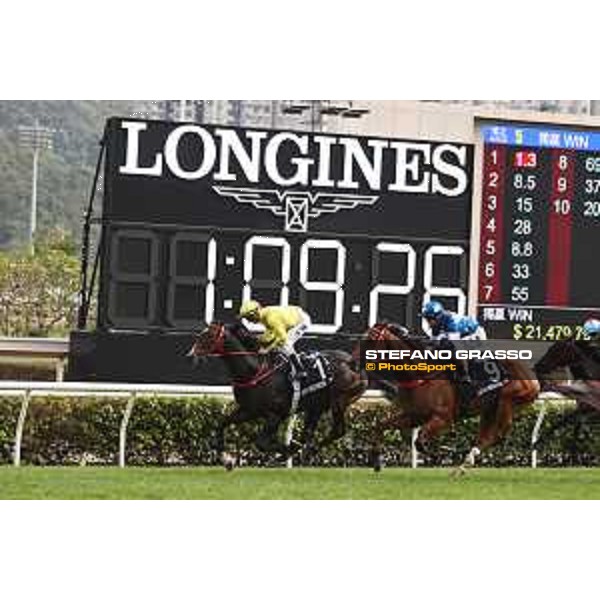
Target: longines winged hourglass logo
[(296, 207)]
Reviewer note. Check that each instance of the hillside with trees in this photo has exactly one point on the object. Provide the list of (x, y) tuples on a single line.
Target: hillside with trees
[(65, 172)]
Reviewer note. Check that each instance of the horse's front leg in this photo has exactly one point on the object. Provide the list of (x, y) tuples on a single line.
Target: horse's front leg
[(239, 415), (495, 421), (311, 420), (430, 430)]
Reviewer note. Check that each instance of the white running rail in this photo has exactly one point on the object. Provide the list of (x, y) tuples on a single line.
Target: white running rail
[(30, 389)]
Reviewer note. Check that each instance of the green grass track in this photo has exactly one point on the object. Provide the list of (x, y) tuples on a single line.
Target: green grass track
[(247, 483)]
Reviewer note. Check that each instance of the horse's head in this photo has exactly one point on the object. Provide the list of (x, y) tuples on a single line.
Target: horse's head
[(563, 353), (387, 332), (219, 339), (210, 340)]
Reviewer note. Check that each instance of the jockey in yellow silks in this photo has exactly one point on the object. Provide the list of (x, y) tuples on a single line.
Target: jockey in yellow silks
[(284, 326)]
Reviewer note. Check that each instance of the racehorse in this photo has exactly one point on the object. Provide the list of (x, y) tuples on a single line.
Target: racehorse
[(583, 360), (263, 389), (433, 402)]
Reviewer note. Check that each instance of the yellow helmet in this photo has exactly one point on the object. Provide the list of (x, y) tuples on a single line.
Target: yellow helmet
[(249, 309)]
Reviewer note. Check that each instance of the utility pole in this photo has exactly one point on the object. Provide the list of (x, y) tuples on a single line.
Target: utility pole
[(37, 138)]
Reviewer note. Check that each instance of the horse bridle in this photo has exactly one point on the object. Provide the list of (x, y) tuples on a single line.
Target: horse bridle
[(381, 331), (219, 346), (219, 350), (379, 335)]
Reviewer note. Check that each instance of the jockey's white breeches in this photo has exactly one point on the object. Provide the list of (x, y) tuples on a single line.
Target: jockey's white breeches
[(294, 334)]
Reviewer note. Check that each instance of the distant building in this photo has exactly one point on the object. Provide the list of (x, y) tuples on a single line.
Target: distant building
[(445, 119), (573, 107), (247, 113), (314, 115)]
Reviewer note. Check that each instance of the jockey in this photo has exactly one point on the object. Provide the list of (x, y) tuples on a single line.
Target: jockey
[(448, 326), (591, 327), (284, 326)]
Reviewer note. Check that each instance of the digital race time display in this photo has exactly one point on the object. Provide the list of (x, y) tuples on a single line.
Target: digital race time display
[(539, 231), (177, 280)]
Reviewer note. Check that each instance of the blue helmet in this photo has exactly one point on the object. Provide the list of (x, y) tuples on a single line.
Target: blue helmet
[(432, 309), (592, 326)]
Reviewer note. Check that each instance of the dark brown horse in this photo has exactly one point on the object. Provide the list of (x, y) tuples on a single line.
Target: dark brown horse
[(582, 358), (433, 403), (262, 389)]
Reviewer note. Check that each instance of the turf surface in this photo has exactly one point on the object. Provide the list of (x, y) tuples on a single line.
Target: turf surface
[(214, 483)]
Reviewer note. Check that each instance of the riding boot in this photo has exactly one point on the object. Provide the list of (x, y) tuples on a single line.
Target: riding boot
[(462, 372), (464, 383), (297, 368)]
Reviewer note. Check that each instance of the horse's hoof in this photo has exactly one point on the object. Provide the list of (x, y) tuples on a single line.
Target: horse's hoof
[(377, 463), (228, 462)]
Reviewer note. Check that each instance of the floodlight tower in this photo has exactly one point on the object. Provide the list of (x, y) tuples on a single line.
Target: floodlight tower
[(37, 138)]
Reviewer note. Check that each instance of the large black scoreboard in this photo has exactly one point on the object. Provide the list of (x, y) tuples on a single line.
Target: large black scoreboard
[(539, 231), (198, 218)]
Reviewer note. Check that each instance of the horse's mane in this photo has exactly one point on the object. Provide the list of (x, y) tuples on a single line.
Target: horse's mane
[(403, 333), (248, 339), (397, 329)]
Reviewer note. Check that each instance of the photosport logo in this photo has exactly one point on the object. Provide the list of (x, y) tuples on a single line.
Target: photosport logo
[(417, 358)]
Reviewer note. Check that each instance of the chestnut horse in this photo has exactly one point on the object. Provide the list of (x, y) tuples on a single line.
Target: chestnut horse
[(433, 403), (262, 389)]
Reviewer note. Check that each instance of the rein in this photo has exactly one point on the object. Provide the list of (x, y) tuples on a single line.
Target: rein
[(261, 374), (219, 347), (383, 333)]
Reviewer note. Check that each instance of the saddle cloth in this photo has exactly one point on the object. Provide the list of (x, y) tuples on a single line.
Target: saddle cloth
[(319, 374), (487, 375)]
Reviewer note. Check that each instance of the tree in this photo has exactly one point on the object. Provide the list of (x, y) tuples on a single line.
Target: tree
[(38, 294)]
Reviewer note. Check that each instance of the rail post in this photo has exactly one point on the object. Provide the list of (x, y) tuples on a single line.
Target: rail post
[(123, 429), (289, 432), (535, 435), (20, 426), (414, 453)]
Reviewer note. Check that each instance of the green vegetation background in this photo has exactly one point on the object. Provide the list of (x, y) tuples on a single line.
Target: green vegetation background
[(65, 172)]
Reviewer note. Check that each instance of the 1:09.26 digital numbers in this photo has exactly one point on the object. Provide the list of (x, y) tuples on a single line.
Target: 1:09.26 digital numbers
[(547, 332)]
